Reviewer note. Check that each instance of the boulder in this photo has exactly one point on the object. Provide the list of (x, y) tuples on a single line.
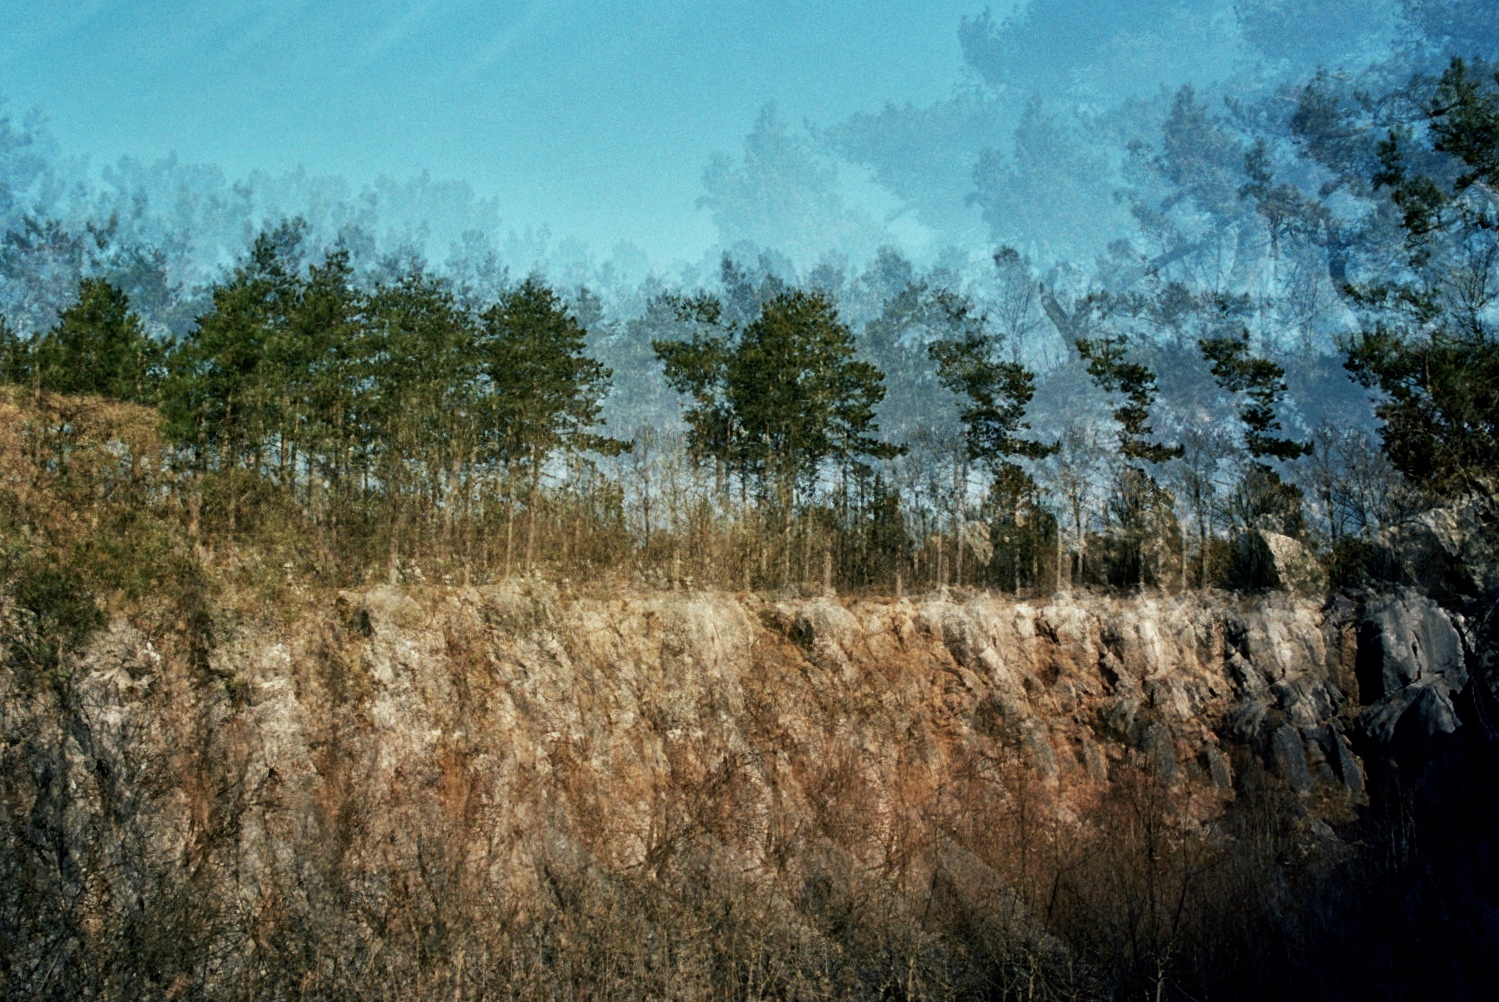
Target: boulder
[(1406, 638), (1264, 560), (1410, 663), (1451, 551)]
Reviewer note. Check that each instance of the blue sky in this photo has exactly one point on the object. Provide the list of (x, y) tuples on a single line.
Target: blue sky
[(595, 118)]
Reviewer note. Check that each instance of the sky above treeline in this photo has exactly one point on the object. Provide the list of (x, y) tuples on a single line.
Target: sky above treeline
[(593, 118)]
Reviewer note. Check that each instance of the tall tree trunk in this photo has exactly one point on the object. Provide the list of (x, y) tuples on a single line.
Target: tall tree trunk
[(509, 532), (532, 495)]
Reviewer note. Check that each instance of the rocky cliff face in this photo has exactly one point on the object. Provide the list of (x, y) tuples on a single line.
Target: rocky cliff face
[(406, 792)]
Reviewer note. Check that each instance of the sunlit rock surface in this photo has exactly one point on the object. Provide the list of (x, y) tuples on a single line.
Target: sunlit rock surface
[(482, 738)]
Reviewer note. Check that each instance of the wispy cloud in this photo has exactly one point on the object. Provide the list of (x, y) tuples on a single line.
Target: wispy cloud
[(398, 29), (505, 42), (21, 29), (250, 25)]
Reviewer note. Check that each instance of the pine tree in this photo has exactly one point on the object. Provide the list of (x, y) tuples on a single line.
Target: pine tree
[(328, 400), (799, 395), (545, 392), (779, 397), (1107, 357), (1259, 385), (99, 347), (221, 395), (1429, 345), (1138, 507), (15, 355), (698, 368), (776, 399), (422, 374), (997, 392)]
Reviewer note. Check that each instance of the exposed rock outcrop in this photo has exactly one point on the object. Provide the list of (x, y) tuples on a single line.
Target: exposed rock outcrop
[(487, 739), (1410, 665)]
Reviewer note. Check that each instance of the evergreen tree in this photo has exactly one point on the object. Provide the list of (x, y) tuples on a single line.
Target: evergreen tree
[(1455, 26), (15, 355), (1139, 508), (328, 397), (1259, 385), (799, 396), (221, 396), (881, 546), (422, 370), (776, 399), (699, 369), (99, 347), (1429, 345), (997, 392), (1311, 32), (545, 392), (1109, 365), (893, 339)]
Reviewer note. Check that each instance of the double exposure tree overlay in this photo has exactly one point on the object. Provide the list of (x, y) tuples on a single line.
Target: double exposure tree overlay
[(1429, 340)]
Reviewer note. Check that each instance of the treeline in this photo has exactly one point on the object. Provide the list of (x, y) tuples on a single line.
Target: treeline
[(397, 425), (404, 425), (346, 408)]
